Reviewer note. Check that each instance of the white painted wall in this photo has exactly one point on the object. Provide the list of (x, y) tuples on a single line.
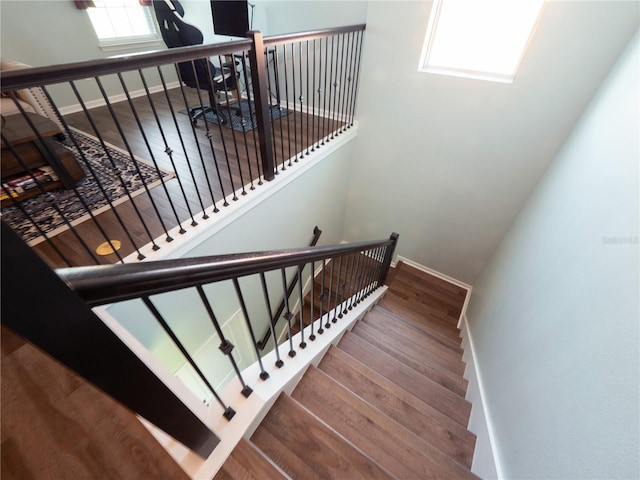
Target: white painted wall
[(554, 316), (448, 162)]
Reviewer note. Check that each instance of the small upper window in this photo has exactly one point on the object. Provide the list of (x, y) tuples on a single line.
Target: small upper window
[(122, 22), (483, 39)]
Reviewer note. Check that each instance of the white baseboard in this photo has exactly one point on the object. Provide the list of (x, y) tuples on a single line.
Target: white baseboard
[(100, 102), (486, 462)]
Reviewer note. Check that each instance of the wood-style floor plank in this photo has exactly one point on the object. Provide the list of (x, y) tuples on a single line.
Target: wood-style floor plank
[(395, 448), (306, 448), (55, 425), (400, 405), (246, 462), (427, 389), (411, 338)]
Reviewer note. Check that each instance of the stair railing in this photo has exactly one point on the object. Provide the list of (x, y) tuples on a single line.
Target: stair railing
[(360, 269), (62, 323), (262, 343)]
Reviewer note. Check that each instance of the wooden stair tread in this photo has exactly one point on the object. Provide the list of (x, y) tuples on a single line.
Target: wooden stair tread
[(445, 377), (397, 403), (430, 290), (443, 322), (400, 308), (414, 339), (409, 351), (396, 449), (246, 462), (438, 396), (306, 448), (452, 342), (430, 281)]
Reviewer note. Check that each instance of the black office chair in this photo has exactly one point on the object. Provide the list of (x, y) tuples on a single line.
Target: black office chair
[(201, 74)]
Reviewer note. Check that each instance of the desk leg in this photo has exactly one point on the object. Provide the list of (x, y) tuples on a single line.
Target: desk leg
[(52, 159)]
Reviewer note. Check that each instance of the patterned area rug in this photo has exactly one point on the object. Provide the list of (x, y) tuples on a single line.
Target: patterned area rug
[(41, 210), (242, 119)]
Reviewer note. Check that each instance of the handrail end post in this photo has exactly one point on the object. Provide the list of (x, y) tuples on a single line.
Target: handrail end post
[(388, 256)]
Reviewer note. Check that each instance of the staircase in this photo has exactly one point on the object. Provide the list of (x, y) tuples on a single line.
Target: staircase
[(386, 402)]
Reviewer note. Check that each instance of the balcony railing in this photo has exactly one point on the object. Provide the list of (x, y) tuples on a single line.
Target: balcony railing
[(121, 155)]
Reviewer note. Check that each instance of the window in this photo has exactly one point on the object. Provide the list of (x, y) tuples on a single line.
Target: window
[(122, 22), (483, 39)]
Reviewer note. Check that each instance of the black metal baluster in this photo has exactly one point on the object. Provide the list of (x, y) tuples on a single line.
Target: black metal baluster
[(301, 98), (130, 152), (341, 88), (308, 98), (233, 132), (336, 85), (347, 84), (331, 91), (320, 97), (337, 292), (197, 143), (220, 131), (313, 99), (350, 79), (303, 344), (372, 270), (97, 180), (263, 373), (228, 411), (346, 49), (287, 316), (349, 286), (208, 135), (273, 131), (363, 281), (164, 139), (343, 287), (327, 91), (149, 150), (226, 346), (250, 99), (169, 150), (286, 95), (244, 120), (353, 281), (265, 291), (379, 267), (358, 279), (329, 307), (295, 118), (54, 205), (312, 336), (357, 79), (322, 297)]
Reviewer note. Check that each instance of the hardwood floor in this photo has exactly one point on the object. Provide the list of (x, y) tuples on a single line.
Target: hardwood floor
[(367, 410), (57, 426), (211, 162)]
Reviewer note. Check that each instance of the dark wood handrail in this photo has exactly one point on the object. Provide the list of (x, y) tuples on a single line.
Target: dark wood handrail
[(273, 40), (38, 76), (102, 284)]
